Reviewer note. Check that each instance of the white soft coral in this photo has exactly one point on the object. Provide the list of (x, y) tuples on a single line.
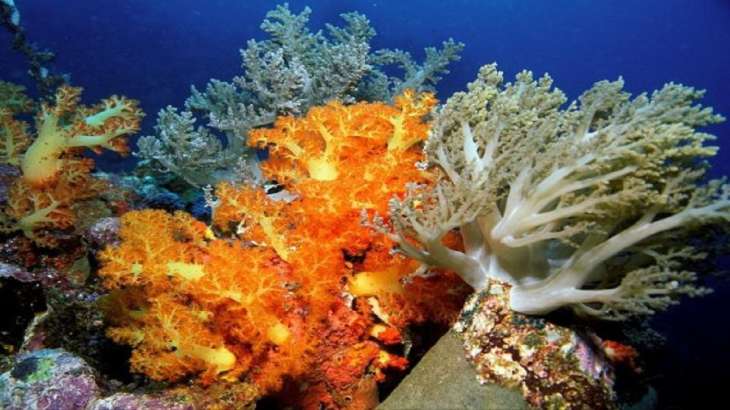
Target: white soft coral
[(595, 206)]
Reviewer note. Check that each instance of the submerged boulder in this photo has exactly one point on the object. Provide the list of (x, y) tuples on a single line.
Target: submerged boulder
[(48, 379)]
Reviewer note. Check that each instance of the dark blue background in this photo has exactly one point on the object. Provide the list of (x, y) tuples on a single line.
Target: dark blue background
[(153, 51)]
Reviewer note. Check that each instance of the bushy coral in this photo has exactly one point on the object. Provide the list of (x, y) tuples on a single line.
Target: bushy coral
[(192, 153), (14, 138), (263, 292), (598, 206), (290, 72), (193, 305), (54, 174)]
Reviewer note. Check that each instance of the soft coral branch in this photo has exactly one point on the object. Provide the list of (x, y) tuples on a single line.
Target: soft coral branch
[(65, 125)]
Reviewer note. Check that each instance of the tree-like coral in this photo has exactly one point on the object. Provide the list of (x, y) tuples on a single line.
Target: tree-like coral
[(597, 206), (54, 174), (287, 74)]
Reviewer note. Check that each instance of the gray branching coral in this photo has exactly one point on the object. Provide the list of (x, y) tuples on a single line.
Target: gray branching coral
[(597, 206), (190, 152), (291, 71)]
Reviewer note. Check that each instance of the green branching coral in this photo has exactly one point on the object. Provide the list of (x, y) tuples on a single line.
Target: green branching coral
[(13, 98), (415, 76), (181, 148), (288, 73), (598, 205)]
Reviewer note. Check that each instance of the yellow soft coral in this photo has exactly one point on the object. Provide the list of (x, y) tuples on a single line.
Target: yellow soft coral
[(13, 98), (14, 138), (54, 175), (65, 125)]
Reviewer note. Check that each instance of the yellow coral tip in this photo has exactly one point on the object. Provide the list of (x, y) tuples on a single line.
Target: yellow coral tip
[(377, 329), (278, 333), (374, 283), (187, 271), (209, 234)]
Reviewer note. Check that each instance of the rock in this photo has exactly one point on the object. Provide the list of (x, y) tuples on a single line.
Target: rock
[(8, 175), (444, 380), (553, 365), (54, 379), (48, 379), (128, 401), (104, 232)]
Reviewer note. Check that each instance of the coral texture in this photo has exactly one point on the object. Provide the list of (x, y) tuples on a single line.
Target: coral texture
[(203, 306)]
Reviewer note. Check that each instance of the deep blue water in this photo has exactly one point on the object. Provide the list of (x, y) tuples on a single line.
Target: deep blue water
[(153, 51)]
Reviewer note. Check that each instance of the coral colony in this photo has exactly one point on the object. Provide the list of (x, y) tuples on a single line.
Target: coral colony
[(373, 215)]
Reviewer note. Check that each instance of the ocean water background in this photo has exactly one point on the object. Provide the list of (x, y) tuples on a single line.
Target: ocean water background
[(154, 50)]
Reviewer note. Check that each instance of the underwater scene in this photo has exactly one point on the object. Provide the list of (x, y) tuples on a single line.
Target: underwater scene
[(393, 205)]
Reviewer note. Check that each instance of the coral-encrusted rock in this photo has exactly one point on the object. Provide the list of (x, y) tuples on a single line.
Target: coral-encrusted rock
[(105, 232), (553, 366), (48, 379), (54, 379), (495, 358), (128, 401), (13, 271), (8, 174), (239, 396)]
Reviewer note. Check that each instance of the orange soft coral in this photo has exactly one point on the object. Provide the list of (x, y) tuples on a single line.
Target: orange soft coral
[(276, 291), (250, 213), (342, 159), (366, 147), (211, 307), (402, 296)]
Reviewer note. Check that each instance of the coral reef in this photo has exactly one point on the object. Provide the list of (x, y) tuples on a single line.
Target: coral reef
[(292, 71), (551, 365), (263, 293), (598, 206), (300, 235)]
